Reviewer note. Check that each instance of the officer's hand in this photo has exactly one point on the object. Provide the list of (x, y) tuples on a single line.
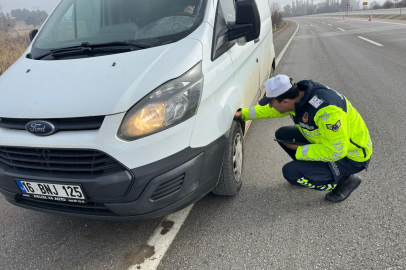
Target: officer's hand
[(292, 146), (237, 115)]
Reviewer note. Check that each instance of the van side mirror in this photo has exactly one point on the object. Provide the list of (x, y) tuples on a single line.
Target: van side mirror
[(33, 33), (247, 23)]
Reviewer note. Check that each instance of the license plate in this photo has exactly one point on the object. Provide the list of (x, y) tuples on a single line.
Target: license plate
[(52, 192)]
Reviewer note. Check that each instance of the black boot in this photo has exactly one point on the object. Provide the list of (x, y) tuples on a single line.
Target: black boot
[(344, 189)]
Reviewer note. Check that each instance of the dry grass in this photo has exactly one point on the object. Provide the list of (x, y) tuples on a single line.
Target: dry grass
[(11, 48)]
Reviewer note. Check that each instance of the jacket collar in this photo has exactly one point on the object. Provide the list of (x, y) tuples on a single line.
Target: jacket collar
[(308, 86)]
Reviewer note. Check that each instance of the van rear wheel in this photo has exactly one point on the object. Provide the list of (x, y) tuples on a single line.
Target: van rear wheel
[(231, 175)]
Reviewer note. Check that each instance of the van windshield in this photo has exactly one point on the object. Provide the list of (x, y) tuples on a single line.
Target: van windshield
[(147, 22)]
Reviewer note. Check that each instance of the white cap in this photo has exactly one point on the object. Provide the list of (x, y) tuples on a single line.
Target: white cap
[(275, 87)]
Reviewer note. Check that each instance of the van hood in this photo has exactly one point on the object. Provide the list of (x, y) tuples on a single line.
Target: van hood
[(43, 89)]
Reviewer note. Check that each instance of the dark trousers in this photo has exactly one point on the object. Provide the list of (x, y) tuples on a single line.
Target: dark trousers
[(314, 174)]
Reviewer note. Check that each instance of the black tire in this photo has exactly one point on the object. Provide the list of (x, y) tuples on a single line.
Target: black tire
[(230, 182), (272, 74)]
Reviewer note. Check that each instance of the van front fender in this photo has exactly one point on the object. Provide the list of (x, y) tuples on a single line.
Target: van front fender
[(215, 115)]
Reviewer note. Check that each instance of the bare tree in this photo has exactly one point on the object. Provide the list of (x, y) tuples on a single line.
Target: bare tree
[(6, 22), (1, 17), (275, 13), (388, 4), (287, 10)]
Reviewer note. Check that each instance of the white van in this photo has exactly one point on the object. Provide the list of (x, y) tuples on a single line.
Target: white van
[(123, 109)]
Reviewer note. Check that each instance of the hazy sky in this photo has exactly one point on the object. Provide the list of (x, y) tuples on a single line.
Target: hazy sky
[(49, 5)]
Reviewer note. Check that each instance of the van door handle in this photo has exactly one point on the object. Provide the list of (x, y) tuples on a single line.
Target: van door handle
[(257, 40)]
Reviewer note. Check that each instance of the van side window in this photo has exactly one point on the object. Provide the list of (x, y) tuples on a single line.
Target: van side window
[(225, 13)]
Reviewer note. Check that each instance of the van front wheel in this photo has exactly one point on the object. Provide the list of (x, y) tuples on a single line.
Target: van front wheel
[(231, 175), (272, 73)]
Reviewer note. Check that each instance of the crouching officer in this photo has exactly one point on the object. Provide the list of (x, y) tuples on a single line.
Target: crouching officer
[(331, 140)]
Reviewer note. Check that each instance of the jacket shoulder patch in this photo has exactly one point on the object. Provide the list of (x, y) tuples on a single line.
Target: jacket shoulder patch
[(316, 101), (335, 127)]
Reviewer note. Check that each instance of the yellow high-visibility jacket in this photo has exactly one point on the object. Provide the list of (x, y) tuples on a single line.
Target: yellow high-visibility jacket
[(327, 120)]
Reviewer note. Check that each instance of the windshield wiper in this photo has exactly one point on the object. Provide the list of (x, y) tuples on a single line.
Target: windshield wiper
[(85, 47), (117, 43)]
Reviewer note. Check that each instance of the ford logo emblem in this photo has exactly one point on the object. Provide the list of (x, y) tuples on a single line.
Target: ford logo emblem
[(40, 128)]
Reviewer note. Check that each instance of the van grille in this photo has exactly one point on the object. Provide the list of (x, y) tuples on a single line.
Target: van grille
[(58, 160), (168, 188), (79, 123)]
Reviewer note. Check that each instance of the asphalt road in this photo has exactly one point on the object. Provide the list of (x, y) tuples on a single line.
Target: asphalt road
[(270, 224), (281, 37)]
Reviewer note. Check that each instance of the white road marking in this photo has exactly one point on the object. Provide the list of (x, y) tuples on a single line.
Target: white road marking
[(341, 21), (340, 29), (311, 25), (373, 42), (162, 242), (278, 59), (330, 24)]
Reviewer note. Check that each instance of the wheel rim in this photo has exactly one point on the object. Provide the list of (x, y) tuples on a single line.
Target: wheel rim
[(237, 157)]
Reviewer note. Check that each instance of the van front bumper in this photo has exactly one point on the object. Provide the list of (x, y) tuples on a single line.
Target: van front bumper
[(153, 190)]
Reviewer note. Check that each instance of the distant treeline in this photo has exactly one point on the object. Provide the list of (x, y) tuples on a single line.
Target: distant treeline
[(388, 4), (33, 17)]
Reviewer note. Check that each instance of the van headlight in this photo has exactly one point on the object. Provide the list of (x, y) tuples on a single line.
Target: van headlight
[(170, 104)]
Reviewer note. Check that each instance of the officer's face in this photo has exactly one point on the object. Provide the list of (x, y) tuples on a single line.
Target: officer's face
[(282, 107)]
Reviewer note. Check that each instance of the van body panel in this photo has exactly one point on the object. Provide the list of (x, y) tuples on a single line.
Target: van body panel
[(220, 99), (210, 15), (246, 64), (224, 94), (266, 42), (92, 86)]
